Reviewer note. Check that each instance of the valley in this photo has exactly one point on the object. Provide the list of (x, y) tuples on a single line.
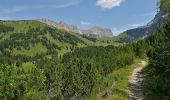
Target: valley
[(43, 59)]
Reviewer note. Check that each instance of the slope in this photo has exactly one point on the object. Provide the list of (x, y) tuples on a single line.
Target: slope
[(28, 39), (144, 31), (93, 32), (156, 80)]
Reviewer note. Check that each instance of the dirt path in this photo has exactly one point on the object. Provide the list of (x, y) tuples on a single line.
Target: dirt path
[(136, 82)]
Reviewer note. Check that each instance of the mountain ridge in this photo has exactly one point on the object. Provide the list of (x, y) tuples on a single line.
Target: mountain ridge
[(93, 32), (146, 30)]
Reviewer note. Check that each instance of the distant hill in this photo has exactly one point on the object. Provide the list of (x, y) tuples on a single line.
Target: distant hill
[(98, 32), (93, 32), (144, 31), (29, 38)]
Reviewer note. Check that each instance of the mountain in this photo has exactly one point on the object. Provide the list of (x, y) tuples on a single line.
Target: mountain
[(98, 32), (144, 31), (33, 65), (93, 32), (60, 25), (30, 38)]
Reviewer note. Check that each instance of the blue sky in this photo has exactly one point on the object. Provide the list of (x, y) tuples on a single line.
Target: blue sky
[(118, 15)]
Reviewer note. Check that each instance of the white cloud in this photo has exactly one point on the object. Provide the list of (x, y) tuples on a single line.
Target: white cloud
[(108, 4), (85, 23), (117, 31), (70, 3), (5, 18), (19, 8), (136, 25), (12, 9), (146, 14)]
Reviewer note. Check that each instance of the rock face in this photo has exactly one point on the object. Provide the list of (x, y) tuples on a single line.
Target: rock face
[(60, 25), (93, 32), (149, 29), (98, 32)]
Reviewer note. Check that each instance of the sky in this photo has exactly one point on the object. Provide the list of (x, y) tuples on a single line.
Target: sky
[(118, 15)]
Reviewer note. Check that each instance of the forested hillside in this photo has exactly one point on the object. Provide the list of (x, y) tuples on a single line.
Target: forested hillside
[(25, 41), (77, 74), (157, 83), (40, 62), (32, 65)]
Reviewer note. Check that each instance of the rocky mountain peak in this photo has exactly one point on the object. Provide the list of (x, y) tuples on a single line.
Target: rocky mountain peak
[(147, 30), (94, 31)]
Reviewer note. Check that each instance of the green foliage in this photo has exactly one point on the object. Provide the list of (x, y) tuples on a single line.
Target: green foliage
[(164, 5), (86, 67), (7, 83), (124, 37), (79, 79), (157, 83), (106, 59), (39, 73), (15, 84), (27, 41), (45, 83), (53, 72), (116, 84), (5, 29)]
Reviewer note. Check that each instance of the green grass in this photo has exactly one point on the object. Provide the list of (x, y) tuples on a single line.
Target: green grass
[(88, 42), (27, 67), (23, 25), (57, 42), (105, 41), (37, 49), (5, 36), (121, 88), (116, 84)]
